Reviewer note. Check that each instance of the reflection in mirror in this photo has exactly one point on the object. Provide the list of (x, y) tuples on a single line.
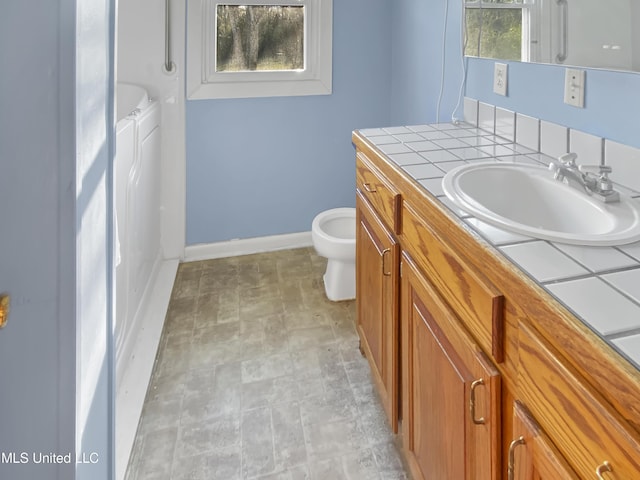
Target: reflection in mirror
[(586, 33)]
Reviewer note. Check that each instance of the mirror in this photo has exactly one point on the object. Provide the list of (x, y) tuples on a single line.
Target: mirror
[(582, 33)]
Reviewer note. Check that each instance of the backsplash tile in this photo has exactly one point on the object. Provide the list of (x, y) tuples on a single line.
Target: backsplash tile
[(528, 131), (625, 162), (553, 139), (588, 147), (471, 111), (505, 124), (486, 117)]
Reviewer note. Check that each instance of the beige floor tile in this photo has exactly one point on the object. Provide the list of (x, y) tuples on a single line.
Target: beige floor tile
[(259, 376)]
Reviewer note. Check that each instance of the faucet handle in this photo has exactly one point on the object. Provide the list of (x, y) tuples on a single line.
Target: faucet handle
[(602, 170), (568, 159)]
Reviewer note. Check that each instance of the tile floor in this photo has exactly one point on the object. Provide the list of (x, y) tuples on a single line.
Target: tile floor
[(259, 376)]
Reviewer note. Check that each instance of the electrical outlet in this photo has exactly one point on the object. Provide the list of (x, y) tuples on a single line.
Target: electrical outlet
[(574, 87), (500, 79)]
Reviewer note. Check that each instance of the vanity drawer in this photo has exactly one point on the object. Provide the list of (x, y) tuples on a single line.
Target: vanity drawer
[(578, 420), (378, 191), (474, 298)]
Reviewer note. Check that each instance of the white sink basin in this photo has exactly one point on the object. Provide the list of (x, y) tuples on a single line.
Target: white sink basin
[(526, 199)]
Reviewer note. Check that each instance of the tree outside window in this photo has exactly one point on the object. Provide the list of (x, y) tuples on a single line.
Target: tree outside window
[(494, 29), (259, 37)]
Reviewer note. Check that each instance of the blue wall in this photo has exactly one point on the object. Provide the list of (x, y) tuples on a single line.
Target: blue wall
[(612, 99), (266, 166), (418, 60)]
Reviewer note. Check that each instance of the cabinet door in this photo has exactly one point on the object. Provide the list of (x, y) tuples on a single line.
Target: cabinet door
[(377, 282), (531, 454), (451, 392)]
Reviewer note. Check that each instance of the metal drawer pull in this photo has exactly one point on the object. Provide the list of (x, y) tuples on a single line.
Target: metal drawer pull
[(604, 467), (384, 271), (512, 460), (369, 188), (472, 402)]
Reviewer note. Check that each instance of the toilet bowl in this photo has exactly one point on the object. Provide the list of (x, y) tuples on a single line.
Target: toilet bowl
[(333, 233)]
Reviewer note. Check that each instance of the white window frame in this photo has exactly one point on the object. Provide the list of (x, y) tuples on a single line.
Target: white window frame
[(314, 79)]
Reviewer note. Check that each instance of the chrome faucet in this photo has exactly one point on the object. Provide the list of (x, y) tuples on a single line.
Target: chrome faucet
[(593, 179)]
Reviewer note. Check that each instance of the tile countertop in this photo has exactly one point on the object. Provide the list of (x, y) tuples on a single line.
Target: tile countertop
[(600, 285)]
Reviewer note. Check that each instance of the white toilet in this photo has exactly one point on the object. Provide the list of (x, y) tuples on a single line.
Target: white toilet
[(333, 233)]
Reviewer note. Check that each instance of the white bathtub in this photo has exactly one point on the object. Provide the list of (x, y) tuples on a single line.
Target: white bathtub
[(129, 98), (138, 256)]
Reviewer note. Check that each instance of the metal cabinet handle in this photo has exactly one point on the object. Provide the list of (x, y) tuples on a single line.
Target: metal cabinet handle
[(512, 460), (602, 468), (369, 188), (472, 402), (384, 270)]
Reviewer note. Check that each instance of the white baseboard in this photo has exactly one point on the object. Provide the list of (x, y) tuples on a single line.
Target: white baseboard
[(246, 246), (133, 386)]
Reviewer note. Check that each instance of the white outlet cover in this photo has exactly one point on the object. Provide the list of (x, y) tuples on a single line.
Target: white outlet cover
[(500, 79), (574, 87)]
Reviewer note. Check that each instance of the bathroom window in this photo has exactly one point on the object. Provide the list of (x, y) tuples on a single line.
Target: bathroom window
[(498, 29), (258, 49)]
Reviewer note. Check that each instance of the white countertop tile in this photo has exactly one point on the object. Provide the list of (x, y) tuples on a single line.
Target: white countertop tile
[(598, 304), (439, 156), (478, 141), (421, 128), (408, 137), (597, 259), (422, 145), (383, 139), (389, 148), (433, 185), (469, 153), (446, 166), (396, 130), (434, 135), (496, 235), (450, 143), (627, 281), (425, 170), (409, 158), (632, 249), (372, 132), (630, 346), (458, 211), (542, 261), (496, 150)]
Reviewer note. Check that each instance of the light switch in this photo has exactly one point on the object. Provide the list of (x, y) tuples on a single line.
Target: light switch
[(574, 87), (500, 79)]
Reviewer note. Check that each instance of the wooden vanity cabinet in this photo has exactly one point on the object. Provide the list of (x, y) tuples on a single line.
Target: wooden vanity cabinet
[(450, 390), (531, 455), (471, 355), (377, 280)]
